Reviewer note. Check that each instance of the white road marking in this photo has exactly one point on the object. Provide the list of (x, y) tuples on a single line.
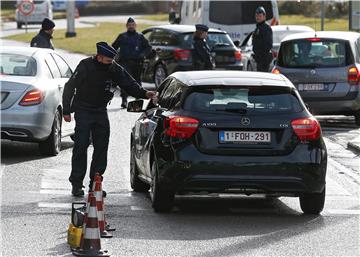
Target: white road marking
[(54, 205), (342, 211)]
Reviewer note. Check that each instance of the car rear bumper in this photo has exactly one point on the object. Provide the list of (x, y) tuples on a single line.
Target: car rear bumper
[(30, 125), (302, 171)]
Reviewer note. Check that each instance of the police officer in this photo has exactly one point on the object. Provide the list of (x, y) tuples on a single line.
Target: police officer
[(87, 93), (133, 48), (202, 59), (262, 41), (43, 38)]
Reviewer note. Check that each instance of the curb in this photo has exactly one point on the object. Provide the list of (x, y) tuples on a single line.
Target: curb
[(354, 147)]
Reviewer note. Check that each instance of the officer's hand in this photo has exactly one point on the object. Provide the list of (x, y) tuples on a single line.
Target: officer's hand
[(67, 118), (151, 95)]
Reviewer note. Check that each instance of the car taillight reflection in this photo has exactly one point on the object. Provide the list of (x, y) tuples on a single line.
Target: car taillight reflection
[(353, 76), (32, 97), (307, 129), (237, 55), (275, 71), (180, 127), (181, 55)]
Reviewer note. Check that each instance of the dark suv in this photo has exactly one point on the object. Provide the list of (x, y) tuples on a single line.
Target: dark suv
[(173, 46), (228, 132)]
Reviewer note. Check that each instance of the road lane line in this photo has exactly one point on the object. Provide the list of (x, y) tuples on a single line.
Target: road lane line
[(54, 205)]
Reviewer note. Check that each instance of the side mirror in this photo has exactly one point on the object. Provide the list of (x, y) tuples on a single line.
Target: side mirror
[(135, 106), (237, 43)]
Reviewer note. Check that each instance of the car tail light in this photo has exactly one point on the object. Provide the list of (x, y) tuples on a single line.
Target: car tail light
[(307, 129), (32, 97), (237, 55), (353, 76), (180, 127), (275, 71), (182, 55), (314, 39)]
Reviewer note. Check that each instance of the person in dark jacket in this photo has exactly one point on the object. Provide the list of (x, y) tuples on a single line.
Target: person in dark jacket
[(262, 41), (87, 94), (43, 38), (133, 47), (201, 54)]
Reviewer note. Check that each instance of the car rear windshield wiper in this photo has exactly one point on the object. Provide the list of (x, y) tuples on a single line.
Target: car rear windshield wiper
[(221, 44)]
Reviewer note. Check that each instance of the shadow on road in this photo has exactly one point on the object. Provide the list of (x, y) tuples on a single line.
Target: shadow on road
[(17, 152)]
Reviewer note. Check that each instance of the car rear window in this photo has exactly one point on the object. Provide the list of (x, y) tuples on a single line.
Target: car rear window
[(314, 53), (213, 40), (250, 100), (17, 65)]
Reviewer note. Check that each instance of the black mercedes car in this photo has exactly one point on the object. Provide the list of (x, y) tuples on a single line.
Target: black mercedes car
[(172, 46), (227, 132)]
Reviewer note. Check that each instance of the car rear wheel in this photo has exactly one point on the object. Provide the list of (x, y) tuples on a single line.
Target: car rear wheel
[(159, 75), (19, 25), (357, 118), (162, 200), (52, 145), (136, 184), (312, 203)]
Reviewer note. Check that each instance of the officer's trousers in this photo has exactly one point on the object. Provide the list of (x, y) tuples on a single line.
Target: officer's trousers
[(134, 68), (263, 66), (96, 122)]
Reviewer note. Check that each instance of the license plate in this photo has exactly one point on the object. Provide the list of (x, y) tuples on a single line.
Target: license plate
[(312, 87), (244, 137)]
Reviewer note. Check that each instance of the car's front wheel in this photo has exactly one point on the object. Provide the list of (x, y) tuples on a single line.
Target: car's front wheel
[(52, 145), (162, 200), (159, 75), (312, 203), (136, 184)]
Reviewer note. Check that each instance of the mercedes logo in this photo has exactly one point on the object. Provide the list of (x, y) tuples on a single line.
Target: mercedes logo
[(312, 72), (245, 121)]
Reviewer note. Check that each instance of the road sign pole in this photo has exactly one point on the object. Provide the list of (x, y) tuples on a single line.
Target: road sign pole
[(70, 15), (26, 24)]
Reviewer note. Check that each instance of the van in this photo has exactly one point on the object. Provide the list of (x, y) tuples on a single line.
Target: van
[(43, 9), (237, 18)]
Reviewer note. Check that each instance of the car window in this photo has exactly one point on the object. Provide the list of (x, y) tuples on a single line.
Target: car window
[(164, 98), (53, 67), (243, 100), (357, 49), (163, 37), (17, 65), (314, 52), (213, 39), (147, 34), (237, 12), (64, 68)]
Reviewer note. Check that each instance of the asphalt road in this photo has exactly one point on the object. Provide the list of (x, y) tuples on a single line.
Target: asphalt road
[(36, 200), (35, 206)]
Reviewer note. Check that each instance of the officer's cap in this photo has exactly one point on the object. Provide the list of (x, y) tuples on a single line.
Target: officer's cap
[(202, 27), (106, 50), (260, 10), (130, 20), (47, 24)]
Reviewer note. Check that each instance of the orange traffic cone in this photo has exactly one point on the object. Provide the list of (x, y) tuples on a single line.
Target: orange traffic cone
[(99, 178), (90, 242), (100, 207)]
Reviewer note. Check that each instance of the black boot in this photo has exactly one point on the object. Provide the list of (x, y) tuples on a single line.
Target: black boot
[(77, 191), (124, 102)]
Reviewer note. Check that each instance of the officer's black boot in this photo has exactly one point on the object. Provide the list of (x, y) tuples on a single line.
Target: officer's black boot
[(124, 102), (77, 191)]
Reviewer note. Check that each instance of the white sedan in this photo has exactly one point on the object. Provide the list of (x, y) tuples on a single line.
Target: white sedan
[(32, 82)]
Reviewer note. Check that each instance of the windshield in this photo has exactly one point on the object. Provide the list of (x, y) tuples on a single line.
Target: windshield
[(213, 40), (251, 100), (237, 12), (313, 52), (17, 65)]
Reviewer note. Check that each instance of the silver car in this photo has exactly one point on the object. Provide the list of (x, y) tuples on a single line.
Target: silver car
[(32, 82), (279, 33), (325, 68)]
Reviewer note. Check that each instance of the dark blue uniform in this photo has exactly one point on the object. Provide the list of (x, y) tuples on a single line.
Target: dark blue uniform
[(132, 47), (201, 55), (87, 93), (42, 40), (262, 39)]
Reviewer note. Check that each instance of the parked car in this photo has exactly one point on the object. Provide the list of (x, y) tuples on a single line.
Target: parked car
[(173, 45), (43, 9), (325, 68), (228, 132), (32, 81), (279, 33)]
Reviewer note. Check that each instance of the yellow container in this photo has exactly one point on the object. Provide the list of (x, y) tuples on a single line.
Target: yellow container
[(74, 236)]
